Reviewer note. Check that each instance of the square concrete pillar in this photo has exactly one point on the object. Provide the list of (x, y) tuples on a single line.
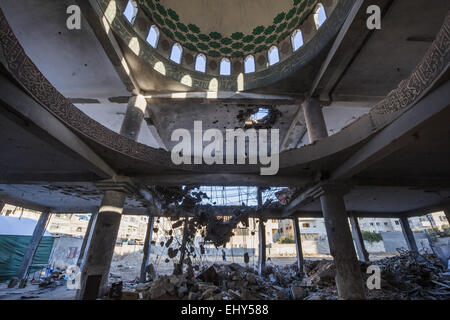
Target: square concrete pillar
[(86, 238), (147, 249), (298, 246)]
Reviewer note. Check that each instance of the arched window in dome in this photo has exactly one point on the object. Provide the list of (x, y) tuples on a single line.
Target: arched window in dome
[(200, 63), (273, 55), (225, 67), (130, 11), (296, 40), (319, 15), (153, 36), (249, 64), (176, 53)]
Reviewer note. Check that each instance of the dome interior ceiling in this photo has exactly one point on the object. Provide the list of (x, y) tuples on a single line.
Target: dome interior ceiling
[(227, 27)]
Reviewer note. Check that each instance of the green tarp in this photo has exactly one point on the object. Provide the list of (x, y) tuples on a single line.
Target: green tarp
[(12, 249)]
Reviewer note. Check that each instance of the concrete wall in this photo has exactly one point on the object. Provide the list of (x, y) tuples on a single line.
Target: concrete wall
[(61, 248), (442, 249), (126, 249)]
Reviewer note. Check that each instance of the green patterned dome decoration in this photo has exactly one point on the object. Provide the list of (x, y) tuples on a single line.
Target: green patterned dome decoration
[(236, 44)]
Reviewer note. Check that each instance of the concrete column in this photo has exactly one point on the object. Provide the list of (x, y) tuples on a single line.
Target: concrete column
[(27, 259), (262, 246), (329, 6), (147, 249), (349, 281), (261, 236), (298, 245), (87, 235), (100, 247), (315, 122), (359, 241), (121, 5), (134, 115), (408, 234), (142, 24)]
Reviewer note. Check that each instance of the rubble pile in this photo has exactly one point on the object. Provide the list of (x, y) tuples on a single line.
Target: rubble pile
[(53, 279)]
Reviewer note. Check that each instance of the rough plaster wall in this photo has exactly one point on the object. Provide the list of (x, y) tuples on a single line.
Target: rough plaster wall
[(111, 116), (394, 240), (322, 245)]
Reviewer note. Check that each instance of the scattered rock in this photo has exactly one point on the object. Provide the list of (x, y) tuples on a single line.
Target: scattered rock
[(209, 275)]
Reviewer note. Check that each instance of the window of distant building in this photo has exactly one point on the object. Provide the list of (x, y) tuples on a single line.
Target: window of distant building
[(296, 40), (130, 11), (249, 64), (319, 15), (72, 252)]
